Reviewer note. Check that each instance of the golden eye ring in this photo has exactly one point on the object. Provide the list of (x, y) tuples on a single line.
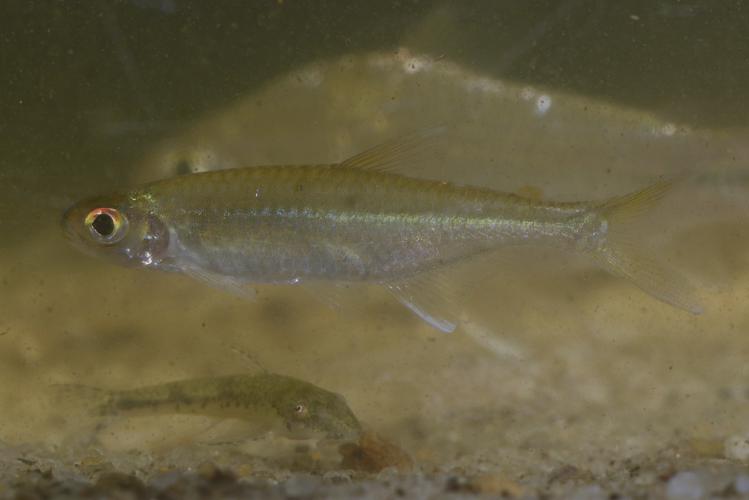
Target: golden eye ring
[(106, 225)]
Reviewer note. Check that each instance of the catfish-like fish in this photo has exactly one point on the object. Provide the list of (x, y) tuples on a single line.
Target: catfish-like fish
[(270, 402), (360, 220)]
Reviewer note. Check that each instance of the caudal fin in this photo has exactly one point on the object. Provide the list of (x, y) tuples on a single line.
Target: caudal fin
[(621, 254)]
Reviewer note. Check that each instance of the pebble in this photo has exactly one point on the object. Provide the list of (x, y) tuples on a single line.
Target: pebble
[(211, 472), (116, 481), (493, 484), (165, 479), (337, 477), (373, 453), (736, 447), (301, 485), (685, 485), (741, 484), (589, 492)]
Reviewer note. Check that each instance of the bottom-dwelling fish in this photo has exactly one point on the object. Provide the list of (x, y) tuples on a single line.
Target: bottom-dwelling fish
[(270, 402), (357, 221)]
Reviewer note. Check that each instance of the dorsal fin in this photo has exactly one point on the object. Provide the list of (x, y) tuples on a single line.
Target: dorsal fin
[(397, 155)]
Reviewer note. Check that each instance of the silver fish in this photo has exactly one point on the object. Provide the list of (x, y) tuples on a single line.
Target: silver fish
[(357, 221)]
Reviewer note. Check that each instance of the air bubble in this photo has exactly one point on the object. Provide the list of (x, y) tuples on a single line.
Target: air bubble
[(668, 129), (415, 65), (543, 104)]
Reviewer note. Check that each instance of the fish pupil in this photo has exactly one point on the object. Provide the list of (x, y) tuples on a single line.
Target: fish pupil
[(103, 224)]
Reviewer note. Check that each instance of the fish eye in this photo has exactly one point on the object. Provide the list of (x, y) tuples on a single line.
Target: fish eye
[(103, 224), (301, 410), (106, 225)]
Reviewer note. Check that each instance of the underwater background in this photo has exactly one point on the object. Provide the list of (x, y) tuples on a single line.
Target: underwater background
[(561, 380)]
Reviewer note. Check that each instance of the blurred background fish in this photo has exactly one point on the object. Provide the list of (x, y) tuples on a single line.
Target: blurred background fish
[(267, 402)]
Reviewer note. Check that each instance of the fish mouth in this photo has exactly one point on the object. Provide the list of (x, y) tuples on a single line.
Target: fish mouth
[(66, 225), (70, 232)]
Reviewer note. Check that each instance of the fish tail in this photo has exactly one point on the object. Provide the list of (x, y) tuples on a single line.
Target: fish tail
[(90, 399), (619, 252)]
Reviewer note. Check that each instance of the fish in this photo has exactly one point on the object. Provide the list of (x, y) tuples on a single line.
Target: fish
[(363, 220), (271, 402), (360, 99)]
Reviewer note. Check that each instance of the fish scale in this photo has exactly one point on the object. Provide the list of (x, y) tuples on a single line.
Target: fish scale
[(403, 226)]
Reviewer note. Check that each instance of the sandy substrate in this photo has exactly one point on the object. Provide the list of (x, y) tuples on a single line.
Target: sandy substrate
[(561, 380)]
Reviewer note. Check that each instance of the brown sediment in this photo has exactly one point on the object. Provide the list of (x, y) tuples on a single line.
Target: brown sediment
[(373, 453)]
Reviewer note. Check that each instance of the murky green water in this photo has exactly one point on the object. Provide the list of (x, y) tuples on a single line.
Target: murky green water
[(557, 367)]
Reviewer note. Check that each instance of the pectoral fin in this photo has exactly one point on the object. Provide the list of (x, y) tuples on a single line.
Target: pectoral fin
[(429, 298), (227, 283)]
